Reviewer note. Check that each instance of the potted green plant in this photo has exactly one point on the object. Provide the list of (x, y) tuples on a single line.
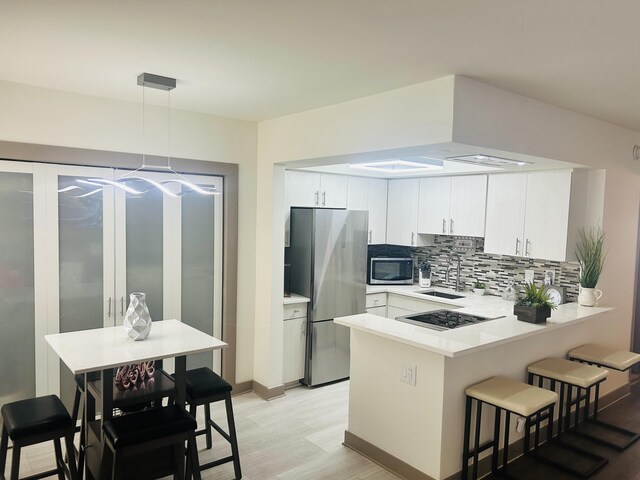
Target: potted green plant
[(535, 306), (591, 255), (479, 288)]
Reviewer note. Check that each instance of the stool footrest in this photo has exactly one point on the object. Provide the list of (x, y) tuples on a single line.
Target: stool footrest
[(215, 463), (568, 458), (606, 434), (485, 446)]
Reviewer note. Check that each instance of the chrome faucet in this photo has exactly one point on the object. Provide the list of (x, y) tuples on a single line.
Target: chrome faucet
[(453, 256)]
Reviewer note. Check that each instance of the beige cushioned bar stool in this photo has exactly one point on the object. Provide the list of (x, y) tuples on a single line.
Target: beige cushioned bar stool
[(584, 379), (511, 396), (620, 360)]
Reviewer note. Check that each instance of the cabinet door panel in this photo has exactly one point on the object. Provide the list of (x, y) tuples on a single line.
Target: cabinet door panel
[(333, 191), (433, 210), (547, 215), (506, 197), (302, 189), (377, 201), (294, 339), (468, 205), (379, 311), (357, 193), (402, 212)]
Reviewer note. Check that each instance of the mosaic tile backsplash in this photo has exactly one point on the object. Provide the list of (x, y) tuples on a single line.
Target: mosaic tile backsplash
[(493, 270)]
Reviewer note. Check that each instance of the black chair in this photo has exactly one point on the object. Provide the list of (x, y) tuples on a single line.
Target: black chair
[(149, 445), (205, 387), (37, 420)]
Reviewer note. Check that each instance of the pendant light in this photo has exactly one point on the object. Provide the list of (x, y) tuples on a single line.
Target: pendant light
[(146, 80)]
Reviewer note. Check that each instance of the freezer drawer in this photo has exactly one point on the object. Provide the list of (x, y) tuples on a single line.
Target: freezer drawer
[(328, 353)]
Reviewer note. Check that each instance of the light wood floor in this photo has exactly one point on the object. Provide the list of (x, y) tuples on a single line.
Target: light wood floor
[(295, 437)]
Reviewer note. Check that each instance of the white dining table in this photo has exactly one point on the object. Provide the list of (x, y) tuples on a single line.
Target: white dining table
[(103, 349)]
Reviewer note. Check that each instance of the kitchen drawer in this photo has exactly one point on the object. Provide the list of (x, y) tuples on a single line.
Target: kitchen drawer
[(417, 305), (295, 310), (376, 300), (379, 311)]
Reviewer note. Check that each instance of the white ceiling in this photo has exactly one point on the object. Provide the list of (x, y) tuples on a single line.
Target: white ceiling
[(257, 59)]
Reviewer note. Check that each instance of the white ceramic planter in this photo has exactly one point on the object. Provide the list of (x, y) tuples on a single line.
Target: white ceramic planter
[(479, 291), (588, 297)]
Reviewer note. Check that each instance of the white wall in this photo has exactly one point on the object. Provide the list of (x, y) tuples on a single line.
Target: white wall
[(412, 116), (49, 117), (494, 118)]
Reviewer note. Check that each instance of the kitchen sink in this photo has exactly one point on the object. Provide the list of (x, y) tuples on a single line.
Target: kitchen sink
[(450, 296)]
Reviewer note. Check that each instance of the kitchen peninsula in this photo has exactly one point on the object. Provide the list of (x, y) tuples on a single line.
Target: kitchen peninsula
[(406, 399)]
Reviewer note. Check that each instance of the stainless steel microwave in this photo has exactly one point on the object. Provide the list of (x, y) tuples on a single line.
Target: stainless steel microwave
[(391, 271)]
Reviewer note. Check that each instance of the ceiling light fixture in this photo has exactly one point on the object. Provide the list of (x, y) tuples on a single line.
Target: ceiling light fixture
[(160, 83), (487, 160), (399, 166)]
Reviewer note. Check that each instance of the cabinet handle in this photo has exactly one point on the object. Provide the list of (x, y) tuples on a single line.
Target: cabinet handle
[(526, 248), (317, 197), (109, 308), (412, 235), (451, 225), (444, 225), (122, 306), (370, 236), (517, 246), (375, 302), (296, 310), (324, 198)]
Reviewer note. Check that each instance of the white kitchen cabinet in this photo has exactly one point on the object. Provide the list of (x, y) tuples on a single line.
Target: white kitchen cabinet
[(333, 191), (309, 189), (294, 342), (376, 304), (453, 205), (370, 194), (402, 212), (377, 205), (528, 214), (394, 312)]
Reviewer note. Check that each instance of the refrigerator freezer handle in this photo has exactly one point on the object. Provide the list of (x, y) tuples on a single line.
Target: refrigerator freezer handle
[(311, 340)]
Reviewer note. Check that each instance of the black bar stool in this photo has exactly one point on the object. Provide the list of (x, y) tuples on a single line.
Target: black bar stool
[(150, 444), (37, 420), (620, 360), (205, 387), (512, 396)]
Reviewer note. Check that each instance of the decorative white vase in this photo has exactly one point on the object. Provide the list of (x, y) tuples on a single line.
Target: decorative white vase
[(479, 291), (137, 321), (588, 297)]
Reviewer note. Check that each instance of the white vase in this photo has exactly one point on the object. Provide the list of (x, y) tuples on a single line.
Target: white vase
[(137, 321), (588, 297)]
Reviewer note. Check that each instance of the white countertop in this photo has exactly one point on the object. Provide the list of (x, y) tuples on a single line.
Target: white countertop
[(295, 299), (102, 348), (471, 338)]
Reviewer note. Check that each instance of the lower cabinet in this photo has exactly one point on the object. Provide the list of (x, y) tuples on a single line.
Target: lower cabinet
[(379, 311), (376, 304), (294, 343)]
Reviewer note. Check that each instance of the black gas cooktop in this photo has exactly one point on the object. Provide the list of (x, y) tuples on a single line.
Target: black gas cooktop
[(442, 319)]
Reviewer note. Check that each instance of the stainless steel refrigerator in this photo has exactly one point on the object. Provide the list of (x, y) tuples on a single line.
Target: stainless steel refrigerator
[(328, 257)]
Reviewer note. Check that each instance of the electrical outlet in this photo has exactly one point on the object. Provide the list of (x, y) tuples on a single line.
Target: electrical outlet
[(528, 276), (408, 374)]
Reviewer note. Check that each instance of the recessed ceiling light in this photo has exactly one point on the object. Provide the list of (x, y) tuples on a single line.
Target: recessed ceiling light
[(487, 160), (399, 166)]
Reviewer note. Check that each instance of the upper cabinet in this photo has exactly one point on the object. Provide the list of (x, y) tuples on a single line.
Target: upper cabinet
[(402, 212), (452, 205), (537, 214), (370, 194), (308, 189)]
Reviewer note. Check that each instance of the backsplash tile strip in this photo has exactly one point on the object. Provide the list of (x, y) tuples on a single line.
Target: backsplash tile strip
[(493, 270)]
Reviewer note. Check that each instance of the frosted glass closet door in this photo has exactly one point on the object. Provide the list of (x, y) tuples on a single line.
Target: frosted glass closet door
[(85, 261), (202, 265), (139, 251), (17, 288)]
